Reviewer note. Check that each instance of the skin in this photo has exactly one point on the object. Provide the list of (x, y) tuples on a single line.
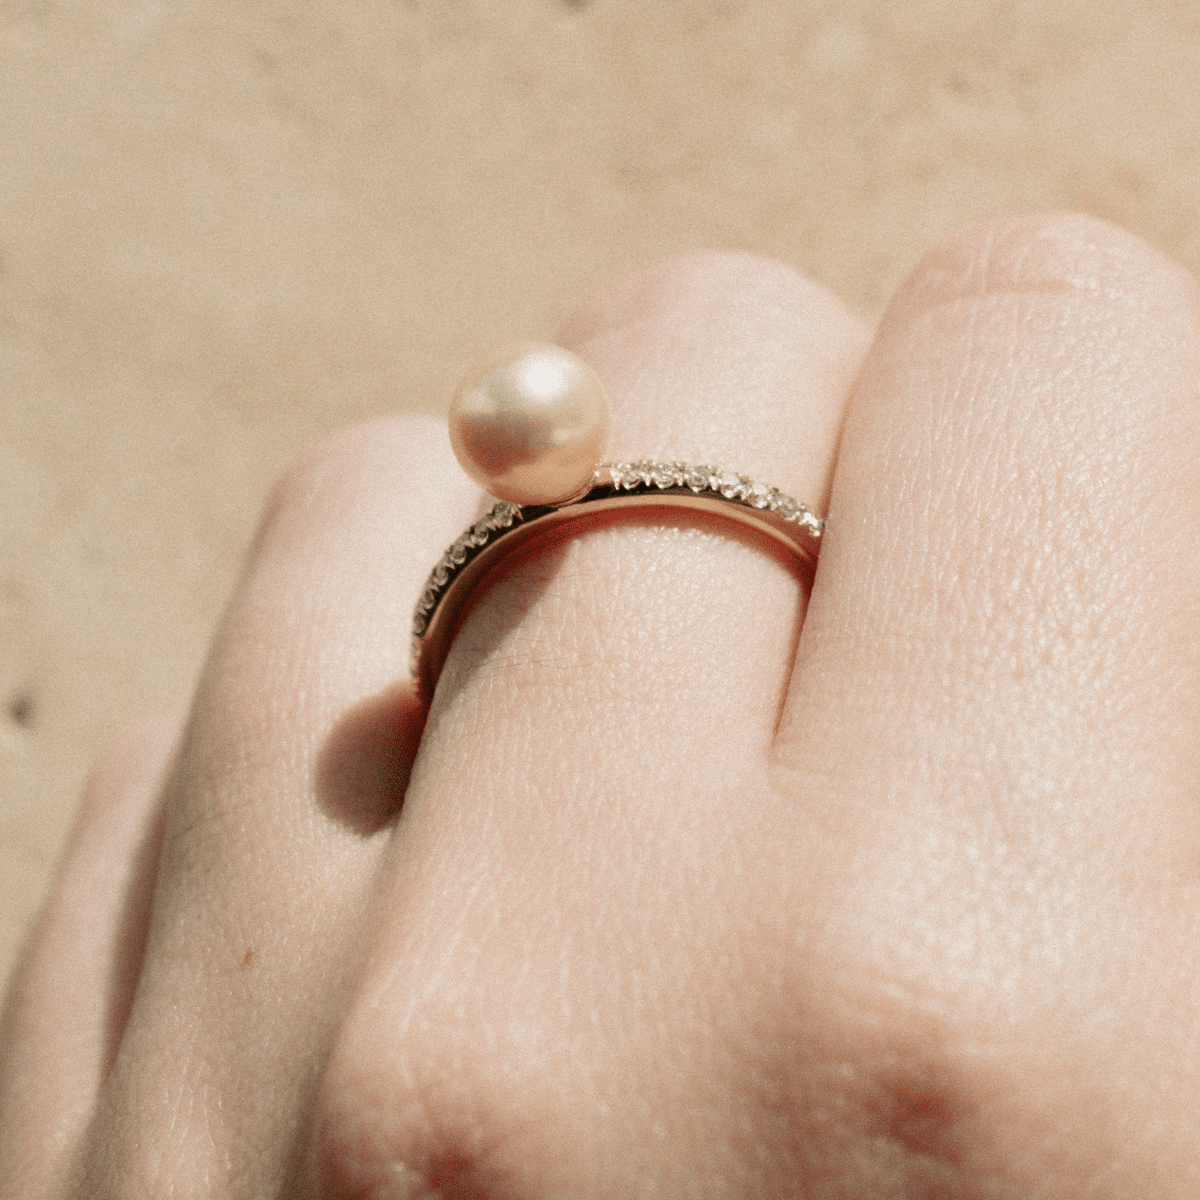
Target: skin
[(709, 880)]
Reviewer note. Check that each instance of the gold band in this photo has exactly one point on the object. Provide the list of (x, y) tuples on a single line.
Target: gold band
[(454, 582)]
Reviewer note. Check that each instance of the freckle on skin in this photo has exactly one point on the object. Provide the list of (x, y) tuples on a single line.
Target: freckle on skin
[(247, 960)]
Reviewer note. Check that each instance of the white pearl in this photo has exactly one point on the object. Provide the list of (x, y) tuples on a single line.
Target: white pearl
[(530, 424)]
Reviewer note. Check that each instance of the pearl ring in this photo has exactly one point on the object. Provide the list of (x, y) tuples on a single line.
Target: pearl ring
[(530, 426)]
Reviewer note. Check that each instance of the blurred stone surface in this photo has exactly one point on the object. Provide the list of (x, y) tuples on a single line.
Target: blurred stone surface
[(227, 228)]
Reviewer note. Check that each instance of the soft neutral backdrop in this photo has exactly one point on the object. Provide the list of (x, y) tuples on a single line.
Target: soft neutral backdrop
[(229, 226)]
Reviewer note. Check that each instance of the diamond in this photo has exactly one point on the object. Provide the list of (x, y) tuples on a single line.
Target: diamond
[(759, 495), (441, 573), (664, 475), (731, 485), (788, 508), (503, 515), (419, 624), (625, 475), (481, 531), (699, 479), (458, 552)]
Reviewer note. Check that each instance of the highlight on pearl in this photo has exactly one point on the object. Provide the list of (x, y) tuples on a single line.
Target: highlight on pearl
[(530, 424)]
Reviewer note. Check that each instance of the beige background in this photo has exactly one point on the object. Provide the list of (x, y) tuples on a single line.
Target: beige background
[(228, 226)]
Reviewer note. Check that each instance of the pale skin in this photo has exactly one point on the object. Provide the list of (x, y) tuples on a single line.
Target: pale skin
[(693, 885)]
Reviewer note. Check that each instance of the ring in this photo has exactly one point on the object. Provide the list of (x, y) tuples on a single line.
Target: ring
[(530, 426)]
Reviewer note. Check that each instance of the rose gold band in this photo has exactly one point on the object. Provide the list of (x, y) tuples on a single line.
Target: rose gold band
[(455, 582)]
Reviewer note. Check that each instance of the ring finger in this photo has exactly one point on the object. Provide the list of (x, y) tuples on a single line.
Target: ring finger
[(544, 859)]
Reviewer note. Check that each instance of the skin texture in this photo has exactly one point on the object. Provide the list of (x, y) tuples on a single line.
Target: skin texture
[(700, 879)]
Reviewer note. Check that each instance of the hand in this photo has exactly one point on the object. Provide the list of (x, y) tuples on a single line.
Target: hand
[(701, 886)]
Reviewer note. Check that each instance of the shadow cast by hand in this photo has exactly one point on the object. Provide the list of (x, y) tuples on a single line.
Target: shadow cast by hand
[(364, 766)]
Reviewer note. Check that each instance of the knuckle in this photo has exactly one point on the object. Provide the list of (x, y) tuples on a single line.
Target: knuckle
[(1054, 357), (690, 285), (842, 1085), (1049, 253), (883, 1086), (341, 472), (427, 1114)]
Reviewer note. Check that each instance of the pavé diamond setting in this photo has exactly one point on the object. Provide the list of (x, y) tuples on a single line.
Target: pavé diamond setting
[(446, 597)]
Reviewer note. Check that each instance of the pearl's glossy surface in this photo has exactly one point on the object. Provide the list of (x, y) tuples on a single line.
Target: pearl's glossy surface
[(530, 424)]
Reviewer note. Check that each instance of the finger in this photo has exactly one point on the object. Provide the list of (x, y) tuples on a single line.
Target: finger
[(71, 992), (596, 713), (1011, 526), (997, 693), (720, 359), (297, 751)]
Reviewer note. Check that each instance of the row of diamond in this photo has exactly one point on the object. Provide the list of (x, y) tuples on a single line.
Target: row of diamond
[(622, 477), (502, 516), (727, 484)]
